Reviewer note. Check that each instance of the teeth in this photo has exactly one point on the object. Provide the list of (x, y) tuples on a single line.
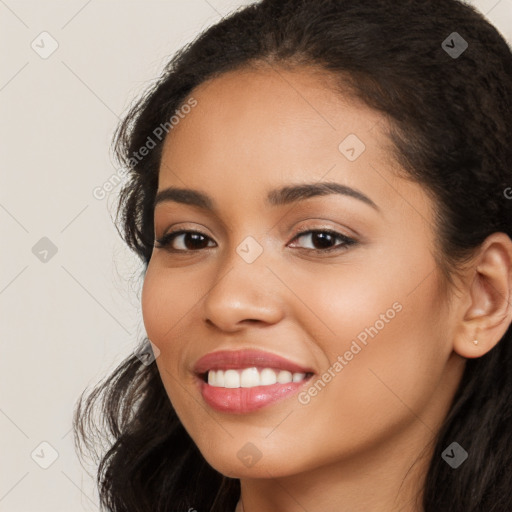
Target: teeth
[(251, 377), (283, 377), (268, 377), (231, 379)]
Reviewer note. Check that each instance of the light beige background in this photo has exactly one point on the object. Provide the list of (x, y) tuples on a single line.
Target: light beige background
[(68, 321)]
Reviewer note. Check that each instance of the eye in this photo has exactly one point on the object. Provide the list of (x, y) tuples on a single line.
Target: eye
[(324, 239), (195, 240)]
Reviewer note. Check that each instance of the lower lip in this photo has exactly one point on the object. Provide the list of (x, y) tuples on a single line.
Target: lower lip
[(244, 400)]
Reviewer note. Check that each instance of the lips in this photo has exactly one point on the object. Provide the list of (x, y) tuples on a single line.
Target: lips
[(242, 400), (233, 360)]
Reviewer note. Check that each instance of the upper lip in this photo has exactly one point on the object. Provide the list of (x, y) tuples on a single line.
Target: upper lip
[(236, 359)]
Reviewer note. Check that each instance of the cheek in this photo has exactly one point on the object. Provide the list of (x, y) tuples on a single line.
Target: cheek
[(151, 304), (347, 304), (388, 331), (393, 351), (165, 302)]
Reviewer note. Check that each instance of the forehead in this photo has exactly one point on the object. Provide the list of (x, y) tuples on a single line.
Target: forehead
[(253, 129), (287, 110)]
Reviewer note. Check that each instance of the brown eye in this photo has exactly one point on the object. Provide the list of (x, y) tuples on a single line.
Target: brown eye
[(323, 240), (188, 240)]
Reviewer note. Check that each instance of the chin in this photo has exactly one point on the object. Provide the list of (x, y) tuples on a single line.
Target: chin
[(234, 466)]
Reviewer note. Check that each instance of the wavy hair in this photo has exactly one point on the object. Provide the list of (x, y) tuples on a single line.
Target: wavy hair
[(451, 131)]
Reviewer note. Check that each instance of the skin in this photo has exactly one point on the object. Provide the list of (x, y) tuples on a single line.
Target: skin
[(363, 443)]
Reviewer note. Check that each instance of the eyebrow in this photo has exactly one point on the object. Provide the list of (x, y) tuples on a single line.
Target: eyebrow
[(278, 197)]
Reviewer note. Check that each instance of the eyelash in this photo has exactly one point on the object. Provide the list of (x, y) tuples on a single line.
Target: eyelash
[(165, 241)]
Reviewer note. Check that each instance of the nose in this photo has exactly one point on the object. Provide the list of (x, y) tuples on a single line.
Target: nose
[(243, 293)]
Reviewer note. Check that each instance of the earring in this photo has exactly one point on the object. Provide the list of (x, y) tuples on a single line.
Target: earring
[(475, 342)]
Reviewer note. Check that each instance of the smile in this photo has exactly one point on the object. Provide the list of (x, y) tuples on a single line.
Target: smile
[(246, 380)]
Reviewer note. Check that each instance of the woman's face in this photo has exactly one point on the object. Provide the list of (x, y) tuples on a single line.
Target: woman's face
[(368, 318)]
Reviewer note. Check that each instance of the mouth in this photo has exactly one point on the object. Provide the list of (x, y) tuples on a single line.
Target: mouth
[(244, 381)]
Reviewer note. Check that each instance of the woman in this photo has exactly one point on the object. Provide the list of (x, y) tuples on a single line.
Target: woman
[(320, 195)]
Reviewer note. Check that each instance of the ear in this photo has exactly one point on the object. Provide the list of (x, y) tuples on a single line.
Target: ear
[(487, 312)]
